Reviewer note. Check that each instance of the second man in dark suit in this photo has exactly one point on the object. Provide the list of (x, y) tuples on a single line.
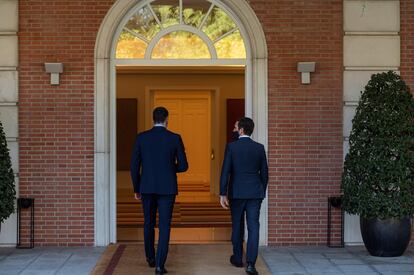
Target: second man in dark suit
[(243, 184), (157, 156)]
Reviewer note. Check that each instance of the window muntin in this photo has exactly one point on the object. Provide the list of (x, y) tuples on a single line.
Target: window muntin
[(205, 18), (129, 46), (231, 46), (217, 24), (143, 23), (167, 12), (194, 12)]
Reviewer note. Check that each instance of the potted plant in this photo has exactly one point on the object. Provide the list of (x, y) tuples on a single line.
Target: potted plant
[(378, 176), (7, 191)]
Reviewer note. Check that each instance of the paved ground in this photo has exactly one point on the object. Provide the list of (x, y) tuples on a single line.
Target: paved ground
[(292, 261), (49, 260), (323, 260)]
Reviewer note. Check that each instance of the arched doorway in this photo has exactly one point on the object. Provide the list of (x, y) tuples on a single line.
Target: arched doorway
[(106, 60)]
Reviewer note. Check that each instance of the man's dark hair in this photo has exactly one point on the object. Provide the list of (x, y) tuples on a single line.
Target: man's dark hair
[(247, 125), (159, 115)]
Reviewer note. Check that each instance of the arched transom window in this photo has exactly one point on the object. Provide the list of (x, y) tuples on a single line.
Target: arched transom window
[(180, 29)]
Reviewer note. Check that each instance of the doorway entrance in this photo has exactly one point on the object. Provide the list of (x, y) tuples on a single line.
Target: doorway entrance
[(199, 100), (122, 42)]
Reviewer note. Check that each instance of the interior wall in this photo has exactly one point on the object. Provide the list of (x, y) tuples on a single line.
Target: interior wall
[(225, 82)]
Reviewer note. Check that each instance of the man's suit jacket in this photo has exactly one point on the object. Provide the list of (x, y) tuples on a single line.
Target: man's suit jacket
[(157, 156), (244, 174)]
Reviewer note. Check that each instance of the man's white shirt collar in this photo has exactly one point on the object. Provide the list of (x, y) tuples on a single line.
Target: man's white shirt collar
[(159, 125), (243, 136)]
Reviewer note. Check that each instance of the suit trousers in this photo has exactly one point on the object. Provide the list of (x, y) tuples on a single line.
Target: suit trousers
[(164, 204), (251, 208)]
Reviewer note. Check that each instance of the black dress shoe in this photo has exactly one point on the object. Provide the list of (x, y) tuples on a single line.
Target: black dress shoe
[(151, 262), (251, 270), (160, 270), (234, 262)]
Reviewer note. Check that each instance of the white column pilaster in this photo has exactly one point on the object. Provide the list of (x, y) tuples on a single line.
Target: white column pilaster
[(9, 21), (371, 45)]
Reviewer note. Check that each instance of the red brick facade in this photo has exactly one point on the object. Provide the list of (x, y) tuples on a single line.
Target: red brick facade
[(407, 47), (305, 121), (56, 124)]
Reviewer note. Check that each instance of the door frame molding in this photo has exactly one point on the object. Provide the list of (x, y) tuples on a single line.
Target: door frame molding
[(256, 90)]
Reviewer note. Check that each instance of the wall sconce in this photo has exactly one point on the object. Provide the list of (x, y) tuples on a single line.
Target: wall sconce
[(54, 69), (305, 68)]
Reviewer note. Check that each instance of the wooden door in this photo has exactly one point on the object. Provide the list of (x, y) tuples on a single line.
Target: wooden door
[(235, 110), (190, 116)]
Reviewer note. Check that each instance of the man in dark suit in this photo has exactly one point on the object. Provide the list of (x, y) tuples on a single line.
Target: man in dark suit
[(157, 156), (243, 183)]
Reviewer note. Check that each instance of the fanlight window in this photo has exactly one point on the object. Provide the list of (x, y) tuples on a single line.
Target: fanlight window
[(180, 29)]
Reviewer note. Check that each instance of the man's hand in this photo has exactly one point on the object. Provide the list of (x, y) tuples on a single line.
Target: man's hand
[(224, 201), (138, 196)]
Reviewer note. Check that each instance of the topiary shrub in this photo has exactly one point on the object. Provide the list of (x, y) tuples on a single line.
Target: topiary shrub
[(378, 176), (7, 191)]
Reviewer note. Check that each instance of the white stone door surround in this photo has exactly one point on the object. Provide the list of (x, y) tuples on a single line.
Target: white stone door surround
[(105, 96)]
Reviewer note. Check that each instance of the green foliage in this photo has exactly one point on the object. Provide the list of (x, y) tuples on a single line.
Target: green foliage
[(378, 176), (193, 17), (218, 24), (7, 191)]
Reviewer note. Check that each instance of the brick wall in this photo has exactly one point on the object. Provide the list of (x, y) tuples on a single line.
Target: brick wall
[(305, 121), (57, 123), (407, 47)]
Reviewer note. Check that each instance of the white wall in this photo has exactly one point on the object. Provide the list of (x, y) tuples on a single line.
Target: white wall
[(371, 45), (9, 19)]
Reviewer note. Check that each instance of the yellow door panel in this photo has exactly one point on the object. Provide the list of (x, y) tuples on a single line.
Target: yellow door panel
[(190, 116)]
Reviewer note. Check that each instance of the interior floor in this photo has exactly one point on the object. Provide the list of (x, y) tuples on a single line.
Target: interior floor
[(197, 218)]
